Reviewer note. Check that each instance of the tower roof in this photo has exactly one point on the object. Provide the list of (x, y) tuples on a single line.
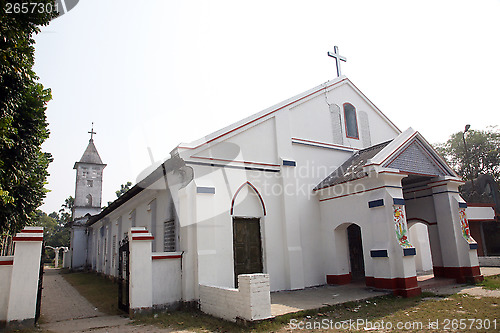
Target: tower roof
[(91, 156)]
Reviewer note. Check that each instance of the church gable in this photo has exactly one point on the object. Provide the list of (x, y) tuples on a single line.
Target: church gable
[(340, 114), (335, 112), (416, 159), (411, 153)]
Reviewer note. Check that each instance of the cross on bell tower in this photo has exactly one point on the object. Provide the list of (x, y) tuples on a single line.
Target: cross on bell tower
[(338, 58), (88, 189), (92, 132)]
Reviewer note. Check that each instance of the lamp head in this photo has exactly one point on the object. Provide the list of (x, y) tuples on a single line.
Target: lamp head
[(467, 128)]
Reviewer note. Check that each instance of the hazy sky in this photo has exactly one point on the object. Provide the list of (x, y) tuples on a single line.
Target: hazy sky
[(159, 72)]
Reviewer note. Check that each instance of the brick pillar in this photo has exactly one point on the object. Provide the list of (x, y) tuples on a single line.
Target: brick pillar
[(459, 250), (255, 292)]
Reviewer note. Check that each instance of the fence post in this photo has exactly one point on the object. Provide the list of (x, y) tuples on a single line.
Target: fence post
[(25, 274), (141, 270)]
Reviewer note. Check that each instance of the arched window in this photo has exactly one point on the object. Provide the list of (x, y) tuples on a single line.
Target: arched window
[(88, 200), (351, 122)]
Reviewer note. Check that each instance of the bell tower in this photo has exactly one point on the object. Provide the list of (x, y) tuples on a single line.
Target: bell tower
[(88, 189)]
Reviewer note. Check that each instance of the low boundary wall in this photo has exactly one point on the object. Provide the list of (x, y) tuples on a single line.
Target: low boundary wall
[(155, 278), (19, 279), (250, 302), (489, 261), (167, 284)]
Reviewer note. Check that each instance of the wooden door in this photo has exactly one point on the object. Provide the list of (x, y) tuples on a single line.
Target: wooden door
[(356, 252), (247, 247)]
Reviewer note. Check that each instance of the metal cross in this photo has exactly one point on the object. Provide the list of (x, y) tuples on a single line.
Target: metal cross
[(337, 57), (92, 132)]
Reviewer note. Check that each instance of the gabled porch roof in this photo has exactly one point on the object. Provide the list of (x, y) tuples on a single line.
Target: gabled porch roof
[(409, 153)]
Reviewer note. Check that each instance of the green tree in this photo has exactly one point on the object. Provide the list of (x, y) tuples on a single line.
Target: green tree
[(55, 234), (23, 127), (482, 155), (66, 211), (123, 188)]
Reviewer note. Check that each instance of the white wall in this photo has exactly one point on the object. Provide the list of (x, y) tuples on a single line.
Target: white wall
[(19, 278), (480, 213), (155, 278), (118, 222), (419, 237), (167, 282), (251, 301), (5, 277), (78, 247)]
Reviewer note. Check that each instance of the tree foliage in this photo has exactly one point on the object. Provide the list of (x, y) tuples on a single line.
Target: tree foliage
[(123, 188), (54, 231), (66, 210), (23, 127), (482, 155)]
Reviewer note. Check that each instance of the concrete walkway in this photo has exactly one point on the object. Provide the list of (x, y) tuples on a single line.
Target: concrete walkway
[(283, 302), (60, 301), (65, 310)]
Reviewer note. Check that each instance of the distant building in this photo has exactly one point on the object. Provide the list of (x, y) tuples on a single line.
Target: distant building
[(88, 200)]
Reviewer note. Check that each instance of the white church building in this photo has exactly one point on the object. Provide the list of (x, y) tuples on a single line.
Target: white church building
[(321, 188)]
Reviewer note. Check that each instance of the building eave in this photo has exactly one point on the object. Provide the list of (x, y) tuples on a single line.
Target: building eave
[(167, 166)]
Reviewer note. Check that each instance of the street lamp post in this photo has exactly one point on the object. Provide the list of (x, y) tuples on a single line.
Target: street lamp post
[(467, 127)]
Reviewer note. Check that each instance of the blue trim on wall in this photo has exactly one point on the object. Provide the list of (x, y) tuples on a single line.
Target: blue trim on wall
[(378, 254), (462, 205), (409, 251), (398, 201), (289, 163), (208, 190), (375, 203), (473, 246)]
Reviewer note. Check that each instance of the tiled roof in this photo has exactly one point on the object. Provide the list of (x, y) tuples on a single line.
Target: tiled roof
[(352, 168), (91, 155)]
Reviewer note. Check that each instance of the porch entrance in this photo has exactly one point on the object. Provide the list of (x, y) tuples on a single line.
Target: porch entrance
[(247, 247), (356, 252)]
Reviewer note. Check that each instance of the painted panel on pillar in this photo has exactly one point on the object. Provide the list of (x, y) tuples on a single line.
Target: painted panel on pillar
[(401, 227), (464, 223)]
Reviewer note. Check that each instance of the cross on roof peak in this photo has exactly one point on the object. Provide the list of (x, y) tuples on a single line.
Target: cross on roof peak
[(92, 132), (338, 58)]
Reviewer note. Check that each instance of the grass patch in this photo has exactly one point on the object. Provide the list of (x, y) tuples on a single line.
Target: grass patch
[(491, 282), (97, 289), (418, 313)]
